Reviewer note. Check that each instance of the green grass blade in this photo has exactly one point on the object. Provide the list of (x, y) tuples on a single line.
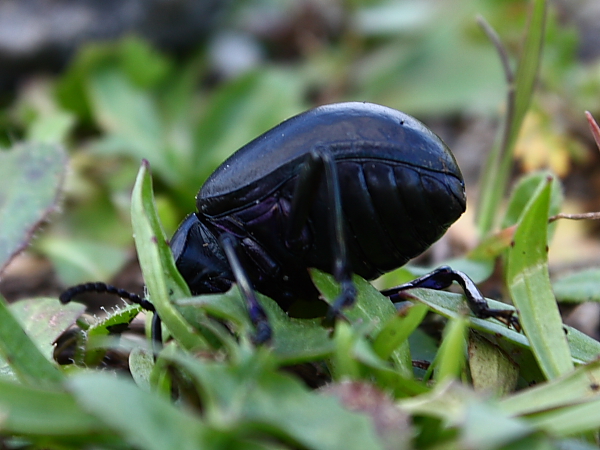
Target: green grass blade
[(570, 420), (529, 285), (576, 387), (451, 358), (156, 261), (495, 177), (397, 330), (24, 357), (527, 70)]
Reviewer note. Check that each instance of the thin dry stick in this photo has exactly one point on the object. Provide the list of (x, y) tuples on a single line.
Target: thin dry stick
[(581, 216), (500, 48)]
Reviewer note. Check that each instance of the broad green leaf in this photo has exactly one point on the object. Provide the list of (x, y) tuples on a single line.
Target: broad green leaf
[(529, 285), (76, 260), (491, 368), (448, 401), (156, 261), (371, 308), (72, 87), (25, 358), (132, 116), (45, 319), (578, 287), (143, 64), (144, 419), (526, 188), (385, 375), (31, 176), (141, 363), (51, 128)]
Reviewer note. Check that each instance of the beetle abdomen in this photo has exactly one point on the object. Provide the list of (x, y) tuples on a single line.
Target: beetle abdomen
[(396, 211)]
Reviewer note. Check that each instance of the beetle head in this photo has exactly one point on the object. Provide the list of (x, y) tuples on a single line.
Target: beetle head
[(199, 258)]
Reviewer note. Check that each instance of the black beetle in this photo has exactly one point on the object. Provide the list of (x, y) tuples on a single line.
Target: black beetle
[(345, 188)]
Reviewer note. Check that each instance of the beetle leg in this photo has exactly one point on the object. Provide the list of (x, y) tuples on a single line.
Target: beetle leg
[(442, 278), (256, 312), (100, 287), (318, 164)]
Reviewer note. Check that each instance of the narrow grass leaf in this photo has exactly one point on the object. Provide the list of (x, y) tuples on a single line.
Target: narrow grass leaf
[(24, 357), (451, 358), (595, 129), (569, 420), (529, 61), (520, 94), (579, 386), (529, 285), (345, 366), (397, 330), (160, 274)]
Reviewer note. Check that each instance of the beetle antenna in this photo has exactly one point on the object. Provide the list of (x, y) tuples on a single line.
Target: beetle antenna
[(102, 288)]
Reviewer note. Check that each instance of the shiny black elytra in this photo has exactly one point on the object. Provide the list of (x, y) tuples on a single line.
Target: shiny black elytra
[(345, 188)]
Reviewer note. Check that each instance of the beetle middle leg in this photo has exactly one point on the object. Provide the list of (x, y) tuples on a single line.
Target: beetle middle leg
[(319, 165), (442, 278), (256, 312)]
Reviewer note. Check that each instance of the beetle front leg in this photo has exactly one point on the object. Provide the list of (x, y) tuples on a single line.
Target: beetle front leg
[(257, 314), (442, 278), (318, 165)]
